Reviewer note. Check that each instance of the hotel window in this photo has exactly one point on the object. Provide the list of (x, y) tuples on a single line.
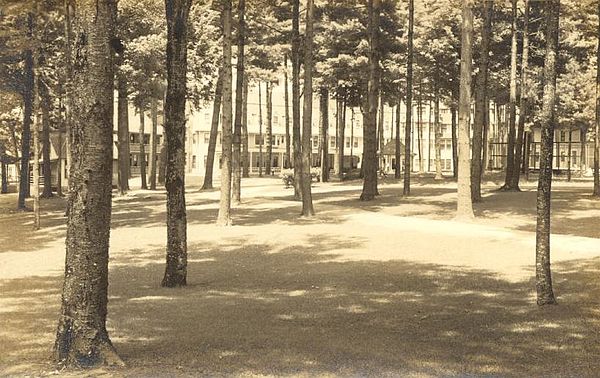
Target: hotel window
[(195, 138), (355, 142), (563, 136), (206, 116), (257, 139), (206, 138), (332, 142), (348, 142), (315, 142), (275, 120), (193, 161)]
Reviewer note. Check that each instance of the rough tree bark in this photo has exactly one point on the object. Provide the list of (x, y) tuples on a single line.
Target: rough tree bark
[(409, 89), (369, 163), (305, 180), (142, 154), (464, 208), (524, 103), (82, 339), (214, 130), (224, 217), (543, 275), (236, 161), (480, 103), (510, 155), (177, 12), (324, 106), (123, 134), (297, 147)]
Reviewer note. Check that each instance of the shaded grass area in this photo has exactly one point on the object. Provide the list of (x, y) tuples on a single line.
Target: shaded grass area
[(256, 309)]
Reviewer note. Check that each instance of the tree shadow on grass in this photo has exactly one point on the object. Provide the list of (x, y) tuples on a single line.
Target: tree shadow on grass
[(261, 309), (52, 220)]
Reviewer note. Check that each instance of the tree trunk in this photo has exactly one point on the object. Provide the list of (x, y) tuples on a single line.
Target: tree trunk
[(123, 134), (177, 12), (36, 144), (409, 89), (154, 116), (260, 133), (453, 110), (269, 139), (480, 103), (296, 98), (45, 104), (224, 217), (369, 163), (239, 93), (380, 131), (342, 138), (352, 139), (162, 159), (305, 181), (438, 131), (324, 106), (524, 105), (420, 126), (597, 124), (543, 276), (430, 105), (485, 136), (245, 153), (582, 154), (510, 155), (288, 157), (338, 123), (82, 339), (68, 83), (28, 78), (214, 131), (569, 146), (464, 208), (398, 145), (3, 169), (142, 158)]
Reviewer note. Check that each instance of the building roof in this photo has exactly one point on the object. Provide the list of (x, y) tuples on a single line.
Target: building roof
[(390, 148)]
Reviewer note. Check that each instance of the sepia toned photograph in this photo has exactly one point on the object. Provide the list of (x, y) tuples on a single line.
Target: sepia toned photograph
[(300, 188)]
